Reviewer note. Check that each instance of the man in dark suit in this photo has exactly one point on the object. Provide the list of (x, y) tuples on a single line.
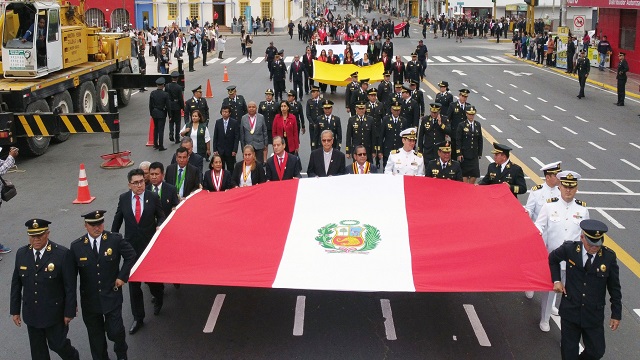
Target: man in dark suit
[(282, 165), (226, 137), (397, 69), (297, 74), (360, 164), (167, 193), (97, 257), (443, 167), (592, 269), (410, 108), (159, 107), (141, 212), (373, 51), (505, 171), (47, 321), (326, 161), (333, 59), (352, 87), (307, 60), (314, 110), (386, 61), (177, 103), (418, 96), (194, 159), (236, 103), (185, 177)]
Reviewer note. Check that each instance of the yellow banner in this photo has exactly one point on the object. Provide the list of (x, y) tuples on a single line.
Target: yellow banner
[(340, 75)]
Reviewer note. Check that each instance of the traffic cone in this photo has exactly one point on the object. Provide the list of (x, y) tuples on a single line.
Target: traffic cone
[(84, 196), (226, 75), (151, 130), (209, 94)]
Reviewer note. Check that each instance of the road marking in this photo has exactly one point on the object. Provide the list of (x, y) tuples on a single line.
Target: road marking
[(258, 60), (298, 322), (483, 339), (456, 59), (546, 118), (490, 159), (512, 98), (213, 61), (486, 59), (441, 59), (514, 143), (559, 108), (503, 59), (489, 85), (526, 92), (569, 130), (472, 59), (422, 90), (288, 59), (513, 86), (498, 106), (496, 128), (630, 164), (624, 188), (463, 84), (541, 99), (243, 60), (533, 129), (480, 116), (556, 319), (529, 107), (607, 131), (596, 145), (389, 327), (581, 119), (500, 91), (537, 161), (514, 117), (228, 60), (556, 145), (610, 218), (586, 164), (474, 91), (637, 311), (635, 145), (486, 98), (213, 315), (429, 96)]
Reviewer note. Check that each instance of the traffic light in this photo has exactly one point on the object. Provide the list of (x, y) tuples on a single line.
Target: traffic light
[(531, 2)]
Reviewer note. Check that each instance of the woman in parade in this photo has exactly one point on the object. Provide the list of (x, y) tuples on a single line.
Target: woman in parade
[(364, 61), (285, 125), (323, 58), (198, 131), (348, 58), (248, 171), (217, 179)]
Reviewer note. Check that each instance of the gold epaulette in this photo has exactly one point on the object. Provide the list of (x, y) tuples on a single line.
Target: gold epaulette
[(394, 151), (580, 202), (552, 200), (537, 187)]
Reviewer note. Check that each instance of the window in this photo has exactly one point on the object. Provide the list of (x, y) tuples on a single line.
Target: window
[(266, 9), (628, 29), (172, 11), (243, 7), (194, 10), (54, 23)]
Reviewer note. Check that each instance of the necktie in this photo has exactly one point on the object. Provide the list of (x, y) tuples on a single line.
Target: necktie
[(38, 258), (155, 189), (472, 127), (587, 265), (361, 169), (225, 127), (138, 209), (280, 161), (95, 247)]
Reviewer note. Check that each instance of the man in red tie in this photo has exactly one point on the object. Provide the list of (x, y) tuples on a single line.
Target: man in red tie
[(141, 212), (282, 165), (397, 69), (297, 74)]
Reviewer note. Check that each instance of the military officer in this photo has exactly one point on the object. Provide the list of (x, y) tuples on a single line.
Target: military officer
[(468, 136), (583, 66), (444, 98), (417, 95), (413, 69), (328, 121), (396, 96), (279, 72), (547, 190), (359, 95), (43, 290), (269, 55), (433, 130), (443, 167), (352, 87), (389, 138), (196, 103), (592, 269), (375, 110), (385, 88), (235, 102), (314, 109), (269, 108), (97, 257), (559, 221), (457, 114), (360, 131), (177, 103), (159, 107), (295, 107), (503, 170), (406, 161), (387, 47), (410, 109)]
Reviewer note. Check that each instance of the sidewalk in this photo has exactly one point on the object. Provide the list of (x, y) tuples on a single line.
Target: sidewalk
[(605, 79)]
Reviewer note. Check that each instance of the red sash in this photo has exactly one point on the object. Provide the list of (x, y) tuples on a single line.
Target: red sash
[(217, 184), (280, 169)]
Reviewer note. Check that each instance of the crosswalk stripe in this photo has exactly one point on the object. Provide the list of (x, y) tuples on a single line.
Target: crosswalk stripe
[(213, 61), (503, 59), (408, 58), (478, 329), (456, 59), (472, 59), (243, 60), (441, 59), (429, 61), (288, 59), (487, 59), (450, 59), (258, 60), (227, 61)]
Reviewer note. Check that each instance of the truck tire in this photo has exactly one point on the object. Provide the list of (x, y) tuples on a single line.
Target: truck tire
[(36, 145), (124, 95), (85, 99), (62, 100), (103, 85)]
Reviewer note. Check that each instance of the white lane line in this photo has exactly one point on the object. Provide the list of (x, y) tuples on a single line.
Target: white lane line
[(504, 60), (514, 117), (526, 92), (586, 164), (213, 315), (463, 84), (441, 59), (514, 143), (489, 158), (483, 339), (581, 119), (541, 99), (607, 131), (474, 91), (243, 60), (556, 319), (489, 60), (559, 108), (429, 61), (513, 86), (569, 130), (637, 311), (630, 164), (489, 85), (512, 98), (288, 59), (480, 116), (614, 209), (596, 145), (456, 59), (134, 92), (213, 61), (533, 129), (258, 60), (610, 218), (422, 90), (529, 107), (556, 145), (486, 98), (472, 59), (298, 322), (408, 58), (496, 128), (635, 145), (546, 118), (499, 107), (624, 188), (228, 60), (389, 327), (500, 91), (537, 161), (429, 96)]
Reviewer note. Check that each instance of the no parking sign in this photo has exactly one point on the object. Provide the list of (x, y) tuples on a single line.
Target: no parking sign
[(578, 23)]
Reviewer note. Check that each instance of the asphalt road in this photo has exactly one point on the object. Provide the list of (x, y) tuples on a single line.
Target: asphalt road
[(531, 109)]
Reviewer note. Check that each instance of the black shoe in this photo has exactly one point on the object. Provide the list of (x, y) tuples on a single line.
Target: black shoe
[(579, 96), (620, 104), (157, 307), (142, 90), (177, 141), (205, 65), (191, 70), (155, 147), (162, 148), (137, 325), (177, 286), (170, 137)]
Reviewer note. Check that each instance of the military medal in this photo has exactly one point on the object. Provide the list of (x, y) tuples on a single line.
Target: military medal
[(603, 267)]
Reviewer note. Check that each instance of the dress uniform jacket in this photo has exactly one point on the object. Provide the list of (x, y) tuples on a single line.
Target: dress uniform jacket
[(393, 97), (159, 104), (376, 111), (238, 106), (559, 221), (297, 110), (385, 90), (512, 174), (168, 197), (279, 70), (175, 93), (390, 138), (98, 275), (314, 109), (45, 295), (412, 71), (411, 112), (418, 96), (361, 132), (469, 140), (445, 99), (269, 109), (388, 48), (403, 162), (352, 88), (538, 197), (357, 95), (138, 233), (451, 170), (430, 134), (196, 104), (331, 123), (456, 114)]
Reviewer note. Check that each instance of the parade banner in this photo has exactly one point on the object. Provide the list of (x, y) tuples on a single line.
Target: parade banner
[(561, 47), (416, 234), (398, 28), (338, 49), (340, 75)]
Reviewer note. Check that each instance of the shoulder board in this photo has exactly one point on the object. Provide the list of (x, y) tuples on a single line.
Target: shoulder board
[(419, 154), (394, 151), (552, 200), (537, 187), (580, 202)]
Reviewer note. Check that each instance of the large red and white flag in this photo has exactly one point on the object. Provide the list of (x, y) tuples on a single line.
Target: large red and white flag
[(351, 233)]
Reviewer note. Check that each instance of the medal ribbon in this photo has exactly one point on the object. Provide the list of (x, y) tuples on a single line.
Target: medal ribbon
[(217, 180), (252, 123), (280, 168), (245, 174)]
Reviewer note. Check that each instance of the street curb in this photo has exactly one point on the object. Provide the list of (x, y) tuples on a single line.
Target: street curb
[(561, 72)]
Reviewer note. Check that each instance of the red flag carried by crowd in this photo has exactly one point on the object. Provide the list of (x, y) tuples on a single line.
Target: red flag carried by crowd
[(398, 28)]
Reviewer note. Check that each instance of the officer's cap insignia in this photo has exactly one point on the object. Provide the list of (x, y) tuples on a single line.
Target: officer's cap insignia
[(109, 252), (603, 267), (35, 224), (51, 267)]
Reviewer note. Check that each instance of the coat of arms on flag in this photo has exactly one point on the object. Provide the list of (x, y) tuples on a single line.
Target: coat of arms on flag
[(348, 236)]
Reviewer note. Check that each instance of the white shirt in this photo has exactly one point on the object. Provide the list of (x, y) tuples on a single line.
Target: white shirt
[(133, 203), (194, 134), (559, 221), (99, 240), (405, 163), (538, 197), (41, 252), (243, 182), (327, 160)]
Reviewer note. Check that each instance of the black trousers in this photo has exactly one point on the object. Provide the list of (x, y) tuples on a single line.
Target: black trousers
[(204, 58), (570, 62), (191, 58), (158, 131), (228, 162), (270, 67), (54, 338), (111, 322), (175, 120), (298, 88), (308, 83), (278, 88), (593, 338), (622, 83), (582, 79), (137, 298)]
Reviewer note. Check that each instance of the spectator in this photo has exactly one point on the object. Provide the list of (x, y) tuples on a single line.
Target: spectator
[(144, 166), (5, 165), (604, 49)]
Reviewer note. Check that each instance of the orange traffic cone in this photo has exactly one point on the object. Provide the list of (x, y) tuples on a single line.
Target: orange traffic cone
[(209, 94), (84, 196), (226, 75), (151, 130)]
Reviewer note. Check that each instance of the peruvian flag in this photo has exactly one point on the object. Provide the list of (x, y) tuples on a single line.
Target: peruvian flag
[(351, 233), (398, 28)]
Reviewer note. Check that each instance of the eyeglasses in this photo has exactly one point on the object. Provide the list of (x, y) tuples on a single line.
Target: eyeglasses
[(327, 140), (362, 154), (137, 183)]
